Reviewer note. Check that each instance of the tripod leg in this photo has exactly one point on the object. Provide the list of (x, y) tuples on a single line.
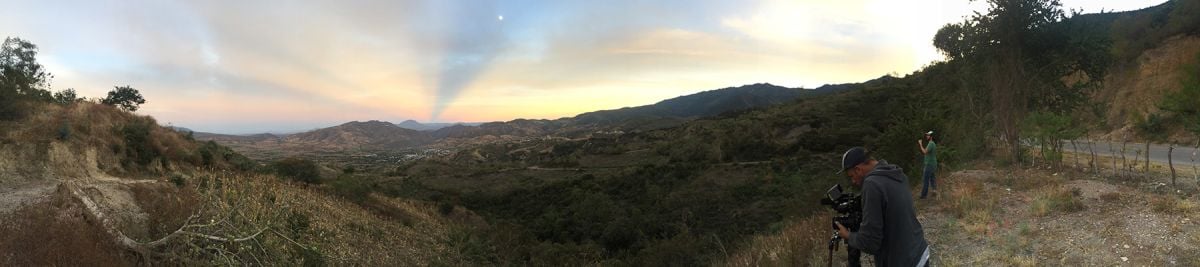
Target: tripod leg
[(830, 257), (853, 257)]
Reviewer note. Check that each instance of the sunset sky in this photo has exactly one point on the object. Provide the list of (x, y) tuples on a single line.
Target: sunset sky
[(282, 66)]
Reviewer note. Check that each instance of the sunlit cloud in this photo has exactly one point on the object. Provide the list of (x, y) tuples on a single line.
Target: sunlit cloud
[(243, 67)]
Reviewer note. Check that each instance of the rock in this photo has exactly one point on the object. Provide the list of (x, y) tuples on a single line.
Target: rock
[(1126, 246), (1124, 259)]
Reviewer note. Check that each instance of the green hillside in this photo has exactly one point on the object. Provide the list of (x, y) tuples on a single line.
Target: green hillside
[(697, 180)]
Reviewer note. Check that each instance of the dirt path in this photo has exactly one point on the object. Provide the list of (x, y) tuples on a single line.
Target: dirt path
[(15, 196), (1038, 218)]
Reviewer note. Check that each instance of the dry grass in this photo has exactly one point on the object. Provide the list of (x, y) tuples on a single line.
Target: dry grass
[(972, 206), (55, 232), (305, 225), (1025, 180), (167, 206), (299, 226), (1055, 199), (1172, 205), (800, 243), (90, 125)]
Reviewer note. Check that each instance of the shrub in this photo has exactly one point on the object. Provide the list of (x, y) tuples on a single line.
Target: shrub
[(298, 169), (64, 131), (178, 180), (1056, 199), (139, 149), (352, 187)]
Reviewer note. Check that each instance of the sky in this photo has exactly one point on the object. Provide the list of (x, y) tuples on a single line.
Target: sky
[(284, 66)]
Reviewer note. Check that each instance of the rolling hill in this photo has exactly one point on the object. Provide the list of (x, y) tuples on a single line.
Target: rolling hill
[(430, 126), (667, 113), (376, 134)]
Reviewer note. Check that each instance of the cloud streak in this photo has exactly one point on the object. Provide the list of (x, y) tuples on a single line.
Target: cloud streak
[(238, 66)]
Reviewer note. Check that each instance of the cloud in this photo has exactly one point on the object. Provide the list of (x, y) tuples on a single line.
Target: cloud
[(229, 65)]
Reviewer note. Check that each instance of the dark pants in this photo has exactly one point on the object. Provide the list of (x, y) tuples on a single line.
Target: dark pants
[(928, 179)]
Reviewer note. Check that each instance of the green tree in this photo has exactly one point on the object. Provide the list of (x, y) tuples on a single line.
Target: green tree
[(22, 78), (1021, 50), (124, 97), (1049, 130)]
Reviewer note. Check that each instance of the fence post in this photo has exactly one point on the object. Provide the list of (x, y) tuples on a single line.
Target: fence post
[(1170, 149), (1113, 151), (1094, 165), (1195, 172), (1147, 169), (1124, 161), (1075, 149)]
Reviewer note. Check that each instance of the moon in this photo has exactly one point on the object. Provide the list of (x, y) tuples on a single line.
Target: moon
[(500, 17)]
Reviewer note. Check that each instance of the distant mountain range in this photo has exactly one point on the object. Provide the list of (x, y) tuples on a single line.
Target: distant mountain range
[(666, 113), (430, 126)]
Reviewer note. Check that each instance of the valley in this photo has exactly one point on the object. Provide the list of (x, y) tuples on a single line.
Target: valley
[(723, 177)]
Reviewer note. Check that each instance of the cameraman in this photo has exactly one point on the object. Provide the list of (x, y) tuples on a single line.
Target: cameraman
[(889, 229)]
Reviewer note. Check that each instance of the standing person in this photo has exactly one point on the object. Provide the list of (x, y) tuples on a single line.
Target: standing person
[(930, 151), (889, 228)]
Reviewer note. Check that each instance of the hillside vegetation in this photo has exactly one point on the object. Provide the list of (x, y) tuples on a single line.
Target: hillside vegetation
[(670, 195), (710, 180), (88, 182)]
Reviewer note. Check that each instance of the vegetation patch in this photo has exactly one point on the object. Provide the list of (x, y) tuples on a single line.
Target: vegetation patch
[(1056, 199), (800, 243), (1173, 205)]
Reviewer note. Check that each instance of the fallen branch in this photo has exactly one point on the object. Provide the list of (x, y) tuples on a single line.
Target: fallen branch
[(94, 213)]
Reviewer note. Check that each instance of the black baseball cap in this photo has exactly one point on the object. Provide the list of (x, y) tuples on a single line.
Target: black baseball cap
[(853, 157)]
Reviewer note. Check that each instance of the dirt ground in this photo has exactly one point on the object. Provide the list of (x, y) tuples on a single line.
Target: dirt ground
[(992, 217)]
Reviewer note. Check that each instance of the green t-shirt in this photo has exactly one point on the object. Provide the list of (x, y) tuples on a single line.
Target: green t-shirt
[(931, 154)]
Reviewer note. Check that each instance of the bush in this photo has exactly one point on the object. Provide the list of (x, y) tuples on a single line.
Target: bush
[(1056, 199), (139, 149), (298, 169), (64, 131), (352, 187)]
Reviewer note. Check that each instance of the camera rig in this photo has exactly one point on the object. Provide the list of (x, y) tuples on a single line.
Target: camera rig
[(849, 209)]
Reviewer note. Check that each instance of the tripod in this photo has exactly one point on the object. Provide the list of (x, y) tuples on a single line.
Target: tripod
[(852, 254)]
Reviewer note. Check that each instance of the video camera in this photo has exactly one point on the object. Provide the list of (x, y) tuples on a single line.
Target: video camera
[(849, 209)]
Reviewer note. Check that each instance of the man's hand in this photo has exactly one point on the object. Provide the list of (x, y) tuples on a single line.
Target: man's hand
[(842, 231)]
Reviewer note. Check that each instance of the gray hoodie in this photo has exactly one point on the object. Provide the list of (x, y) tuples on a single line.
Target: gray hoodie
[(890, 229)]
